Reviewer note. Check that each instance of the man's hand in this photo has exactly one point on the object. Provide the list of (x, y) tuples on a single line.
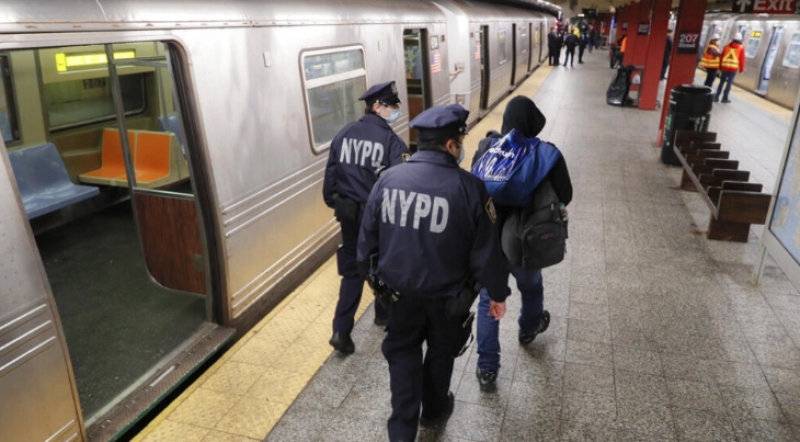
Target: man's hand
[(497, 310)]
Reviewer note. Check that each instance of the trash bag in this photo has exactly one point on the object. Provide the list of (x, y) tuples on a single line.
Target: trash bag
[(617, 93), (514, 166)]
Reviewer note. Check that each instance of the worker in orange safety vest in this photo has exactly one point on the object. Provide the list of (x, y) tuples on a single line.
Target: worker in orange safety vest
[(711, 60), (732, 60)]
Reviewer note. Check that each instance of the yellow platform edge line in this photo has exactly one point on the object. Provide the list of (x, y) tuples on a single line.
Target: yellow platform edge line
[(528, 88), (752, 98)]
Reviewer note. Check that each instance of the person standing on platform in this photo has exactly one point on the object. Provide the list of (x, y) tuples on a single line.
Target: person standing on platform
[(732, 61), (584, 40), (357, 156), (422, 242), (521, 114), (571, 41), (592, 38), (554, 48), (711, 60), (667, 56)]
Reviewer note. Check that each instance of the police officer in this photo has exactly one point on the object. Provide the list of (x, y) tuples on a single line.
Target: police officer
[(357, 155), (428, 228)]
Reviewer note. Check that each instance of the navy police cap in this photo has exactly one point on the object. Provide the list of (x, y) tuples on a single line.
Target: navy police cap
[(440, 122), (384, 93)]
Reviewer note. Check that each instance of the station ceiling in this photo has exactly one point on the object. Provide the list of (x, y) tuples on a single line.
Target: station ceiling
[(607, 5)]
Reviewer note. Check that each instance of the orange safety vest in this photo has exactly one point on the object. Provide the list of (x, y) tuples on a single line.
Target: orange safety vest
[(624, 44), (710, 61), (732, 59)]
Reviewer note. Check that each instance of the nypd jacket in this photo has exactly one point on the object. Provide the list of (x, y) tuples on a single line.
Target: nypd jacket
[(432, 225), (356, 153)]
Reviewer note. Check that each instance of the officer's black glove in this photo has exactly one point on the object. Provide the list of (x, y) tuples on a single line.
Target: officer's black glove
[(379, 171)]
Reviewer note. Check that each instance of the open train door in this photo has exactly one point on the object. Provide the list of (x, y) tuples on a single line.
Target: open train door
[(37, 386)]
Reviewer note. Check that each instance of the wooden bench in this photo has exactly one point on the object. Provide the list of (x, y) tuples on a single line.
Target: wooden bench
[(735, 203)]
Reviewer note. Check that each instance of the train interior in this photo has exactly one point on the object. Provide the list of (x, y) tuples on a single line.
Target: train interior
[(416, 52), (123, 255)]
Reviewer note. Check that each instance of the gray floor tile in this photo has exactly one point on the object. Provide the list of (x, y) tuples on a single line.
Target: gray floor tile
[(475, 423), (469, 391), (589, 331), (592, 379), (638, 361), (763, 431), (655, 420), (590, 353), (590, 409), (531, 370), (702, 425), (637, 388), (694, 395), (747, 403), (588, 312), (581, 432), (791, 407), (522, 427)]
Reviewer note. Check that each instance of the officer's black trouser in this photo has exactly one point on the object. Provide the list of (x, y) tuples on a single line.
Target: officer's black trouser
[(570, 58), (416, 382), (352, 284), (554, 56), (580, 53)]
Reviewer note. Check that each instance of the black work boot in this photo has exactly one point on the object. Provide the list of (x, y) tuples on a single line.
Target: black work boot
[(343, 343), (442, 418), (526, 338), (487, 379)]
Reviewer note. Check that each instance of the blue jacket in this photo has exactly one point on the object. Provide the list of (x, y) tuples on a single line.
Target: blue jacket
[(356, 153), (432, 225)]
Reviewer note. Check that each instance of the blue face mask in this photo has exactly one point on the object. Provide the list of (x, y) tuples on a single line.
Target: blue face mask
[(393, 117), (461, 158)]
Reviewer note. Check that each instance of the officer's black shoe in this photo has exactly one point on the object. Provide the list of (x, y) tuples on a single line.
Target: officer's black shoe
[(487, 379), (526, 338), (343, 343), (381, 322), (443, 417), (725, 100), (716, 99)]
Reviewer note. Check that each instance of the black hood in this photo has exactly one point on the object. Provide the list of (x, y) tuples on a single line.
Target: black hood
[(523, 115)]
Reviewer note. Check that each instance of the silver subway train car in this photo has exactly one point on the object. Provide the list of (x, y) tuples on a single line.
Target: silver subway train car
[(772, 52), (161, 167)]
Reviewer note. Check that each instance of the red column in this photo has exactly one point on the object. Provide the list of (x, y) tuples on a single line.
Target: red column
[(655, 54), (682, 66), (642, 41), (622, 16)]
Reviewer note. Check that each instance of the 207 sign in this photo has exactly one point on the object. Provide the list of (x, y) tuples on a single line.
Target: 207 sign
[(688, 42), (765, 6)]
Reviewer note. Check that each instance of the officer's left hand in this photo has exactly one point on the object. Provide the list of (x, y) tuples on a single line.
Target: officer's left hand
[(497, 310)]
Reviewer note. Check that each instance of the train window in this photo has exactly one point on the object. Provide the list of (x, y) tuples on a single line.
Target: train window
[(334, 80), (501, 45), (792, 57), (8, 111), (87, 101), (524, 42), (751, 48)]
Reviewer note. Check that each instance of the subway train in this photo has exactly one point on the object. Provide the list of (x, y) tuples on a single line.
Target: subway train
[(161, 167), (772, 52)]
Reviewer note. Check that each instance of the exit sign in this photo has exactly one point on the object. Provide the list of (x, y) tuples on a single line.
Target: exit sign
[(766, 6)]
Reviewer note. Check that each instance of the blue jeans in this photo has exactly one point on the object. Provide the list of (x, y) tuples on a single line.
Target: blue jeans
[(711, 75), (530, 286), (727, 80)]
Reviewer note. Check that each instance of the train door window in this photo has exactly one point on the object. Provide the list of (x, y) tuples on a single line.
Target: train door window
[(334, 79), (8, 109), (501, 46), (484, 48), (418, 63), (769, 61), (120, 241), (792, 57), (751, 48)]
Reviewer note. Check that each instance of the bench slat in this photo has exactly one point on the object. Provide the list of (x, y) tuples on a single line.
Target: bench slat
[(743, 207), (713, 163), (737, 185)]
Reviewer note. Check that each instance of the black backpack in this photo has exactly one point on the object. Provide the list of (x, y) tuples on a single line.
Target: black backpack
[(535, 236)]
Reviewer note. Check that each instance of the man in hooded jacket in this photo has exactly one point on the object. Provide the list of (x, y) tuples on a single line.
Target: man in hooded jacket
[(521, 114)]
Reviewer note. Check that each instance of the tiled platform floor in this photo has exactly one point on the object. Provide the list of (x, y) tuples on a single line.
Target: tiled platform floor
[(657, 335)]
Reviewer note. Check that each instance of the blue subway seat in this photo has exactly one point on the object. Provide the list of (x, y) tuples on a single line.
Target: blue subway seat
[(173, 125), (43, 180)]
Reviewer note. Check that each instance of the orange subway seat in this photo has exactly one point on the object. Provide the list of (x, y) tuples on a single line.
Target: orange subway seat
[(113, 165), (153, 157)]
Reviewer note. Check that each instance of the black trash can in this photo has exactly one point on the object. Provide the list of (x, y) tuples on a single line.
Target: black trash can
[(689, 109)]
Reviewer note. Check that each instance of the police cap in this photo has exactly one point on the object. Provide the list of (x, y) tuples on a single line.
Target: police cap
[(383, 93), (441, 122)]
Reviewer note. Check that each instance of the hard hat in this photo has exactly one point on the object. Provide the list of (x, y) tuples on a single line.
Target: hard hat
[(738, 36), (715, 37)]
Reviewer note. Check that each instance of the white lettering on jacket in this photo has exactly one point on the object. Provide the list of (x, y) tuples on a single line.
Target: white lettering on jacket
[(419, 206), (362, 153)]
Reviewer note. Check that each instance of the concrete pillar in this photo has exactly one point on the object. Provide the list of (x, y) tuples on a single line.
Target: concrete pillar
[(682, 67), (655, 54)]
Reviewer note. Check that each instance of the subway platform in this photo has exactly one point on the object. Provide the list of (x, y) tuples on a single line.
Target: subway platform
[(657, 334)]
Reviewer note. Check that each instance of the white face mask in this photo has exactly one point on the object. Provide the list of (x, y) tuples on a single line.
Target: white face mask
[(393, 114), (461, 157)]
